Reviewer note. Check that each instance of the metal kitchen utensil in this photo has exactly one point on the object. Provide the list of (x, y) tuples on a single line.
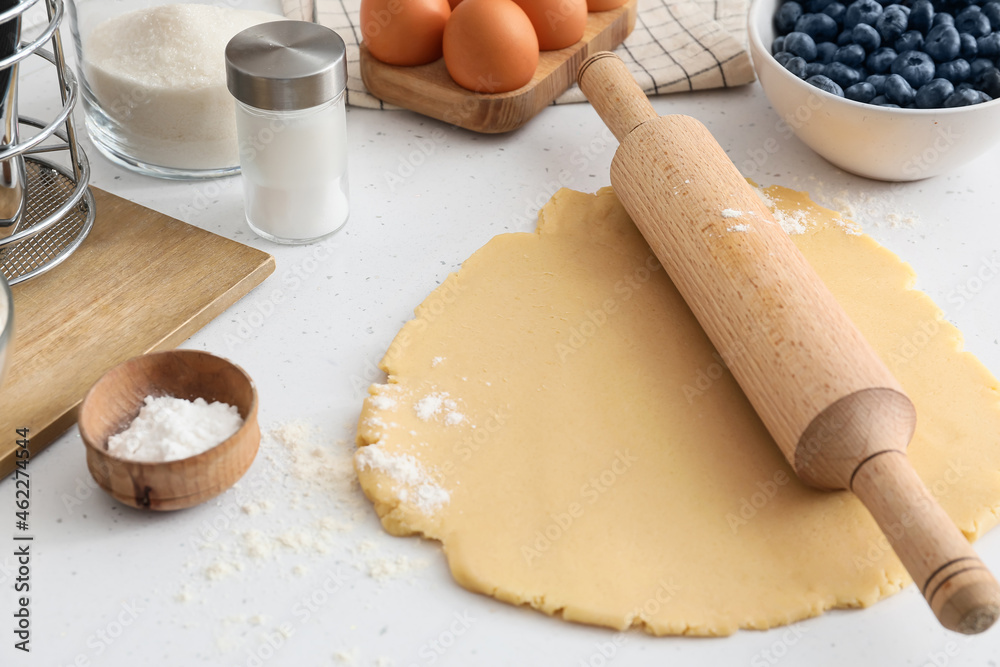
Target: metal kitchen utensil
[(12, 176), (54, 210)]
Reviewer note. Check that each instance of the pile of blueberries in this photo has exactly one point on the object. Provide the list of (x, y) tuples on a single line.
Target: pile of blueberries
[(915, 54)]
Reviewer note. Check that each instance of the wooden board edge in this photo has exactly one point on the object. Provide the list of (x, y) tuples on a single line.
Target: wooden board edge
[(48, 433), (498, 113)]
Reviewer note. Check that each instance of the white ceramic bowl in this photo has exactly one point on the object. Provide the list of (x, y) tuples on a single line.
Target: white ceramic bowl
[(876, 142), (6, 325)]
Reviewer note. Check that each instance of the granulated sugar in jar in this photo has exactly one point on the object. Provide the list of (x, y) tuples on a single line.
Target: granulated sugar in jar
[(154, 85)]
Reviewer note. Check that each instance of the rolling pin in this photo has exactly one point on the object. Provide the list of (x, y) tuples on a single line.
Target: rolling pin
[(837, 413)]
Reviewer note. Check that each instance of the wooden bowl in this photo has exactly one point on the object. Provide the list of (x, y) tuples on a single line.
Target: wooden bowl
[(114, 401)]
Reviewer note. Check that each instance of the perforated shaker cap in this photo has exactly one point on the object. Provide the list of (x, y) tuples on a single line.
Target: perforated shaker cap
[(286, 65)]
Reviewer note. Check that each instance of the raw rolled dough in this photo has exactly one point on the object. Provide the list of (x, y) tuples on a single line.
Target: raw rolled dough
[(557, 419)]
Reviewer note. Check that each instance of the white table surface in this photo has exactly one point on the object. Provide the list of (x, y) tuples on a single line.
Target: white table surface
[(114, 586)]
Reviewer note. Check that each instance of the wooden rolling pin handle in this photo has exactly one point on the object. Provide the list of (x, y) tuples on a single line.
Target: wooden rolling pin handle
[(833, 407), (611, 88), (961, 592)]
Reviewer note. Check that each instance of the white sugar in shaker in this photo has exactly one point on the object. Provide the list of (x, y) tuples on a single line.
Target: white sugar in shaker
[(289, 80)]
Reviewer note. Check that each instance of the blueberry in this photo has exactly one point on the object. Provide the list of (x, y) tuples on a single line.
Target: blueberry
[(965, 85), (824, 83), (990, 83), (836, 11), (972, 21), (860, 92), (943, 43), (845, 38), (943, 18), (984, 97), (878, 82), (891, 25), (851, 55), (967, 45), (880, 61), (817, 26), (980, 66), (880, 100), (912, 40), (898, 90), (932, 95), (796, 66), (825, 52), (955, 71), (922, 15), (783, 57), (812, 69), (778, 45), (914, 66), (867, 37), (816, 6), (842, 74), (989, 46), (786, 16), (800, 44), (962, 97), (992, 11), (862, 11)]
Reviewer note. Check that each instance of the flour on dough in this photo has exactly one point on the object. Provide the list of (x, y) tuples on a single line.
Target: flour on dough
[(608, 469)]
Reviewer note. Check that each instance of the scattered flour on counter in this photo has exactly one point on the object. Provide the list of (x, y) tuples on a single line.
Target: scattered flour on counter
[(420, 489), (453, 418), (731, 213), (311, 483), (347, 656), (878, 206), (323, 469), (436, 360), (255, 507), (220, 569), (257, 545), (384, 569), (797, 221), (739, 228)]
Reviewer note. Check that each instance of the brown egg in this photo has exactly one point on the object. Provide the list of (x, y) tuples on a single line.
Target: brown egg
[(454, 3), (558, 23), (604, 5), (490, 46), (404, 32)]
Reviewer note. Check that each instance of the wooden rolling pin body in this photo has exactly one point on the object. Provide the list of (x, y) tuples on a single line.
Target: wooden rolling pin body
[(837, 413)]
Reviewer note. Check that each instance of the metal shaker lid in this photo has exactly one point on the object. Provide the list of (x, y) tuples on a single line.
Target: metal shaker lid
[(286, 65)]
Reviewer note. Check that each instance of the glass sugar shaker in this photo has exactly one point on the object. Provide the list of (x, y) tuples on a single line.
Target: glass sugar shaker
[(289, 80)]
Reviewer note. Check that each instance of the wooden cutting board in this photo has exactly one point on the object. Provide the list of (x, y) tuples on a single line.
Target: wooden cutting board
[(142, 281), (430, 90)]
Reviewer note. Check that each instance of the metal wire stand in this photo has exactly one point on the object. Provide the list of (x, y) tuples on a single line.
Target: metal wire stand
[(60, 207)]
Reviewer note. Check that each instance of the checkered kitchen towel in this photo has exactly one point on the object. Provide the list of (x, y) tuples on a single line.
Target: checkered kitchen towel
[(676, 46)]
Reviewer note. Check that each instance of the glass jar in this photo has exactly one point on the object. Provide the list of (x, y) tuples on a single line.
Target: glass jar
[(154, 83), (289, 80)]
